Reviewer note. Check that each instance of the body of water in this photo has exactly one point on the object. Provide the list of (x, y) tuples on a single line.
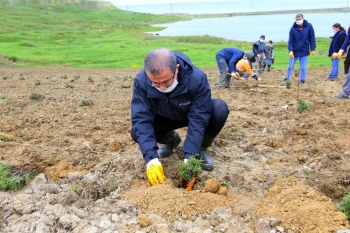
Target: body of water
[(249, 28), (234, 6)]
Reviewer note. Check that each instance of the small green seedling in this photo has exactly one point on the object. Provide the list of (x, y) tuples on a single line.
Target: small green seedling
[(5, 137), (189, 170), (35, 96), (11, 181), (344, 205), (85, 102), (289, 84), (303, 105)]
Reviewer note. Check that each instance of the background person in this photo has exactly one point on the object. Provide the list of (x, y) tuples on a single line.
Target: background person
[(270, 57), (345, 93), (227, 59), (171, 93), (336, 44), (343, 50), (259, 48), (244, 66), (301, 41)]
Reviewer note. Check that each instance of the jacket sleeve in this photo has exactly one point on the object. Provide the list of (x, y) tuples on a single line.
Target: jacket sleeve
[(142, 123), (291, 40), (198, 116), (255, 48), (312, 38), (341, 40), (233, 61), (346, 41)]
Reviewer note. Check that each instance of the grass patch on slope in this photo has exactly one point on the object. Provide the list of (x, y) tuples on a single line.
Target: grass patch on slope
[(79, 37)]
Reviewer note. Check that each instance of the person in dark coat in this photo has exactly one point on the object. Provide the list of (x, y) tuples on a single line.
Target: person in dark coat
[(270, 56), (259, 48), (336, 44), (171, 93), (345, 93), (301, 41), (227, 59)]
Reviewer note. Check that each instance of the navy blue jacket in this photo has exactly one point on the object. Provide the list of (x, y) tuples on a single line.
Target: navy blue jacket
[(232, 56), (346, 42), (337, 42), (190, 99), (259, 48), (302, 41)]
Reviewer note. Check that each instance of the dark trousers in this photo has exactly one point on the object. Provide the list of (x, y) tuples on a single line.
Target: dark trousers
[(216, 123), (224, 80)]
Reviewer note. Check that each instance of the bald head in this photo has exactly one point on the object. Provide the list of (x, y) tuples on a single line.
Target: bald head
[(159, 60)]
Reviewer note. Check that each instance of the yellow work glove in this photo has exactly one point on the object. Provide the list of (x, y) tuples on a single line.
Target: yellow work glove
[(340, 54), (155, 172), (334, 55), (291, 54), (313, 52)]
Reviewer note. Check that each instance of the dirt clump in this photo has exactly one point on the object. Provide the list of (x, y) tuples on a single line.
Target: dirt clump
[(212, 186)]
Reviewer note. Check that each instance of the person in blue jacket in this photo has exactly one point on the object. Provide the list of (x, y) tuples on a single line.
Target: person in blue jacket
[(227, 59), (259, 48), (336, 44), (301, 41), (345, 93), (171, 93)]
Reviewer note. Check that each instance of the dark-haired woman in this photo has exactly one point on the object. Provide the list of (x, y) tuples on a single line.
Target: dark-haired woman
[(335, 46)]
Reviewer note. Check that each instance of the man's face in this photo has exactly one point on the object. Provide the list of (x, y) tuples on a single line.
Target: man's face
[(298, 19), (163, 80)]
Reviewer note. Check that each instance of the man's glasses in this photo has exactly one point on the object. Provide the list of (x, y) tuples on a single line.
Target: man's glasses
[(165, 83)]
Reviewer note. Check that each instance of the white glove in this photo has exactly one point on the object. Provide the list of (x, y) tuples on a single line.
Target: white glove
[(185, 160), (153, 162)]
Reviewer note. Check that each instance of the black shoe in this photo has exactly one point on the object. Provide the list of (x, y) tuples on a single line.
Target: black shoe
[(341, 96), (207, 163), (167, 148), (285, 80), (302, 82), (330, 79)]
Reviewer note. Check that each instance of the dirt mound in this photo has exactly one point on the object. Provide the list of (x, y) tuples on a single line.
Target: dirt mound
[(169, 201), (300, 208)]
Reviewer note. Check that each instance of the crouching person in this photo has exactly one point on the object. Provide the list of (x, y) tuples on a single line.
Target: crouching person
[(244, 66), (171, 93)]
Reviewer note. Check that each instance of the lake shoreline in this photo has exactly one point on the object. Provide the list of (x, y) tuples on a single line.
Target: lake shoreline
[(216, 15)]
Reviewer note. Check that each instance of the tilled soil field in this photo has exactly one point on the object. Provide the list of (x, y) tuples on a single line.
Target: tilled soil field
[(282, 170)]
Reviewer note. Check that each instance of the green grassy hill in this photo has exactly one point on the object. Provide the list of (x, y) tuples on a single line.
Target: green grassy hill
[(77, 35)]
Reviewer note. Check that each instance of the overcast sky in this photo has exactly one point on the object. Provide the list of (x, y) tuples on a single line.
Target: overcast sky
[(141, 2)]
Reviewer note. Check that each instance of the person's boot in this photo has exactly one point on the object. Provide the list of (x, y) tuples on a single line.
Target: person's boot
[(207, 164), (170, 141)]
